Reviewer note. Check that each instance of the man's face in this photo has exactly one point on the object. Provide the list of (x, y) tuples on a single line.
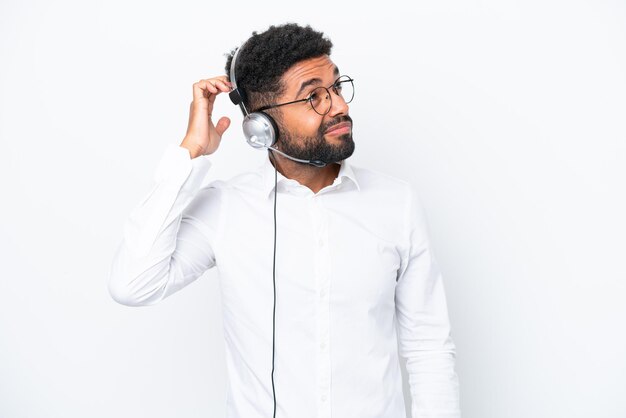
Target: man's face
[(304, 133)]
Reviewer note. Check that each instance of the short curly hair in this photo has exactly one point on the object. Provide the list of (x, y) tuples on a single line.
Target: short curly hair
[(266, 56)]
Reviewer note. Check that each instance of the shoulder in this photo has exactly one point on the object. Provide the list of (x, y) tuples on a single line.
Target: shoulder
[(397, 195), (247, 182), (371, 180)]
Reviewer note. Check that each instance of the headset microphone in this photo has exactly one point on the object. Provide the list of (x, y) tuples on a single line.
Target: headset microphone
[(316, 163)]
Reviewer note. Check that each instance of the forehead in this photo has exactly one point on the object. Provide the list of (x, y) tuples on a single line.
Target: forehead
[(320, 68)]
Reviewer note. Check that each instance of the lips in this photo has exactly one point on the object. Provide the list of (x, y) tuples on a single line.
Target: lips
[(340, 127)]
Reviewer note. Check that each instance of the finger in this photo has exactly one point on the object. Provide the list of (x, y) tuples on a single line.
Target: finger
[(222, 125), (202, 89), (212, 99), (224, 86), (210, 85), (222, 78)]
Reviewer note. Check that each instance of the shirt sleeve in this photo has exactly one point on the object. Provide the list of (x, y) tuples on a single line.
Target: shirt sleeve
[(424, 334), (167, 241)]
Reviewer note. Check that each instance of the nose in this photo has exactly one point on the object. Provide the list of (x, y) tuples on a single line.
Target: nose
[(338, 105)]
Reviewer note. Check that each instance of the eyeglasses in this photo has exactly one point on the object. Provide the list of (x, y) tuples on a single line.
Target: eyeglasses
[(320, 98)]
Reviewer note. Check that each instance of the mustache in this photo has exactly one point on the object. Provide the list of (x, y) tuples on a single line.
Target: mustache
[(336, 121)]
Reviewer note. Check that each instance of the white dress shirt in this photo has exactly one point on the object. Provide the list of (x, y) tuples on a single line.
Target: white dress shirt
[(356, 285)]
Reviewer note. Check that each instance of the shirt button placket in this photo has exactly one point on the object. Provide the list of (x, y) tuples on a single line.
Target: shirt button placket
[(320, 225)]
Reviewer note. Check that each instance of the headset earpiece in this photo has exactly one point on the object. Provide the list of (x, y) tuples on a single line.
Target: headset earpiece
[(260, 130)]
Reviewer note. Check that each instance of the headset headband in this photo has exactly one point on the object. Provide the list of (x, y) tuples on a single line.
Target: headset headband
[(236, 95)]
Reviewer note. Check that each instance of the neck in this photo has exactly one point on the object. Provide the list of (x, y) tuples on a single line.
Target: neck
[(315, 178)]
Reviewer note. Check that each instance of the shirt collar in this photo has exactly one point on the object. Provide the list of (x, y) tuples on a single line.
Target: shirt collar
[(267, 175)]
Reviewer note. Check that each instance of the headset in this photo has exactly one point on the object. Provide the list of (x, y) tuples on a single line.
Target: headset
[(259, 128), (261, 132)]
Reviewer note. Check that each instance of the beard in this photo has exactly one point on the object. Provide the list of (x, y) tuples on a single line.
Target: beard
[(316, 147)]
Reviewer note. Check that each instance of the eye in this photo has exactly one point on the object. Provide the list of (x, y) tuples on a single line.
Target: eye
[(314, 96), (318, 95)]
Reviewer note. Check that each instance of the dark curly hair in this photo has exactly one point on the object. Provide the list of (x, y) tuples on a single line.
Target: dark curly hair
[(266, 56)]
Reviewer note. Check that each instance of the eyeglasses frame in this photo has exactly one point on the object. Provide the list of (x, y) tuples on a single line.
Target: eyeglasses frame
[(309, 97)]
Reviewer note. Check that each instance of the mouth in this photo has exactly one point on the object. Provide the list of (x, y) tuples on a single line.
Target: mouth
[(339, 129)]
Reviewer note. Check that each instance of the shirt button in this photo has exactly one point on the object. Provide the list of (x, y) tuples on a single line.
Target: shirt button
[(323, 398), (323, 345), (321, 242)]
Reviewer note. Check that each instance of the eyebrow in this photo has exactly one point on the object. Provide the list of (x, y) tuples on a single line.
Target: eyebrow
[(312, 81)]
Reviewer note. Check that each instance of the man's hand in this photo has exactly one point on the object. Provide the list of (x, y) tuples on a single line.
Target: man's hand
[(203, 137)]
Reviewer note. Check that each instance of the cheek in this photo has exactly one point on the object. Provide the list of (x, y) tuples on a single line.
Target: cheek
[(303, 125)]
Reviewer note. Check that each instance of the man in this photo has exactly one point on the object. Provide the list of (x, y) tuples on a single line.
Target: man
[(318, 304)]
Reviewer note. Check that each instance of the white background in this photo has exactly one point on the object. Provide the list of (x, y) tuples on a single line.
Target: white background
[(509, 118)]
